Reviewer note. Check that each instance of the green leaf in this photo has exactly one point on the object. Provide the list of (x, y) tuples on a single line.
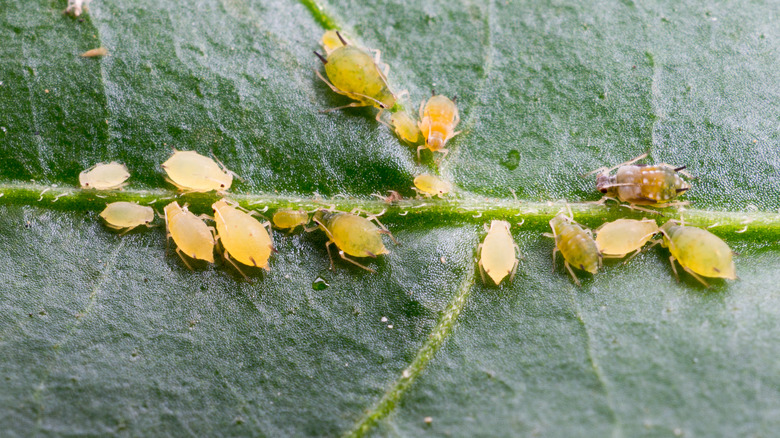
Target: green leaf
[(102, 333)]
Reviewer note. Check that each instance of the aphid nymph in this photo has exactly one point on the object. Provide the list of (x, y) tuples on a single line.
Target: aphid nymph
[(127, 215), (104, 176), (438, 119), (192, 172), (190, 234), (353, 235), (406, 127), (699, 252), (431, 185), (576, 246), (287, 219), (497, 253), (242, 236), (619, 238)]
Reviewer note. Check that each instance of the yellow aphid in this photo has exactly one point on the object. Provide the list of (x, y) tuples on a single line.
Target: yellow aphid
[(497, 253), (332, 40), (104, 176), (618, 238), (100, 51), (405, 127), (431, 185), (289, 219), (354, 73), (576, 245), (438, 119), (698, 251), (243, 237), (127, 215), (192, 172), (190, 234), (352, 234)]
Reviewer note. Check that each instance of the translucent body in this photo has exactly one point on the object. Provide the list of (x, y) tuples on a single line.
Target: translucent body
[(576, 245), (432, 185), (190, 234), (643, 184), (405, 127), (698, 251), (243, 237), (355, 74), (100, 51), (438, 119), (331, 41), (497, 255), (104, 176), (353, 234), (289, 219), (126, 215), (192, 172), (623, 236)]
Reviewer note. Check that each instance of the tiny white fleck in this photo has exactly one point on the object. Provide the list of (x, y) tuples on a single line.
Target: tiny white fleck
[(406, 374), (645, 181), (390, 326), (384, 319), (677, 432)]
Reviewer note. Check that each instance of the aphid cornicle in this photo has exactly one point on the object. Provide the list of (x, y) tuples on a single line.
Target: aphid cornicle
[(641, 184), (619, 238), (356, 74), (192, 172), (287, 219), (438, 119), (190, 234), (353, 235), (699, 252), (243, 237), (104, 176), (431, 185), (576, 246), (497, 253), (127, 215)]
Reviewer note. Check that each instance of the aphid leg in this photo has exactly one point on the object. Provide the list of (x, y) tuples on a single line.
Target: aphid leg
[(227, 257), (636, 207), (384, 229), (514, 271), (330, 257), (343, 256), (696, 276), (482, 271), (519, 253), (351, 105), (418, 152), (443, 155), (403, 94), (379, 118), (610, 169), (553, 255), (308, 229), (571, 271), (181, 255), (674, 269)]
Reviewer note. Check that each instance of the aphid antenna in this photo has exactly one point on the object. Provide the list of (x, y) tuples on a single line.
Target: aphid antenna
[(322, 58)]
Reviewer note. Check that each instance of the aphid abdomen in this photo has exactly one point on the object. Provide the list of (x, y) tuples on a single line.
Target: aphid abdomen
[(577, 247), (287, 219), (497, 257), (120, 215), (648, 184), (437, 121), (243, 237), (354, 72), (190, 234), (623, 236), (700, 251), (356, 235)]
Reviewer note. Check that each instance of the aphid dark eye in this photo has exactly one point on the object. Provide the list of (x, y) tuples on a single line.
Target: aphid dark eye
[(603, 190), (222, 185)]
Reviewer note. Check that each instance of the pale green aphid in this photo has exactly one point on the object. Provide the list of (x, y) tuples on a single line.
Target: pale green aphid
[(497, 253), (288, 219), (405, 127), (104, 176), (192, 172), (242, 236), (698, 251), (431, 185), (127, 215), (354, 73), (576, 246), (190, 234), (618, 238), (352, 234)]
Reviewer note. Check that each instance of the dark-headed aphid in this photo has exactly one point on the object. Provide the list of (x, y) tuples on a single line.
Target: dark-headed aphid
[(127, 215), (641, 184), (576, 245), (438, 119), (242, 236), (698, 251), (352, 234), (617, 239), (497, 253), (190, 234), (354, 73)]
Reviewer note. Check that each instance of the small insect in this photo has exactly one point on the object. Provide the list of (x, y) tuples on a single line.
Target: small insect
[(497, 253), (192, 172), (699, 252), (576, 245), (75, 7), (617, 239), (356, 74), (332, 40), (289, 219), (642, 184), (438, 119), (431, 185), (104, 176), (392, 196), (405, 127), (242, 236), (353, 235), (100, 51), (190, 234), (127, 215)]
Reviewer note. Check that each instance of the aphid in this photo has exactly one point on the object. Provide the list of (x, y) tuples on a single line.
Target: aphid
[(127, 215), (617, 239), (355, 73), (438, 119), (100, 51), (641, 184), (352, 234), (332, 40), (190, 234), (576, 245), (698, 251), (242, 236), (75, 7), (497, 253), (431, 185), (192, 172), (104, 176), (289, 219), (405, 127)]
